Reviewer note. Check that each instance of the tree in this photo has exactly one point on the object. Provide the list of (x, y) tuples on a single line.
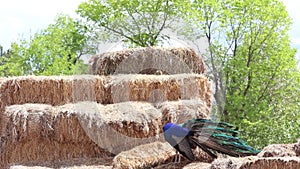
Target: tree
[(12, 65), (250, 58), (54, 51), (1, 50), (249, 55), (137, 22)]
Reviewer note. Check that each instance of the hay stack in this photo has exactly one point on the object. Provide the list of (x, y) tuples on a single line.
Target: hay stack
[(132, 123), (149, 60), (156, 89), (71, 167), (281, 150), (252, 162), (47, 119), (197, 166), (74, 163), (53, 90), (122, 126), (183, 110), (144, 156), (39, 133), (59, 90), (36, 132), (27, 167)]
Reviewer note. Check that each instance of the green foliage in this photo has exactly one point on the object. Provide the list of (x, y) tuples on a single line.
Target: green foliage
[(137, 22), (54, 51), (13, 64), (250, 57)]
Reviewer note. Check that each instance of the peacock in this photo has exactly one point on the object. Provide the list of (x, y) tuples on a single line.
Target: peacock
[(209, 135)]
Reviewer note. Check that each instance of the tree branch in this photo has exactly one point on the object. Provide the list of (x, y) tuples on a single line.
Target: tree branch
[(122, 34), (161, 27)]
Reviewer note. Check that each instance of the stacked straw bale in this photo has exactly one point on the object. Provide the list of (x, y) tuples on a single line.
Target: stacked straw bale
[(59, 90), (157, 155), (147, 155), (148, 60), (179, 111), (74, 163), (53, 90), (156, 89), (57, 118), (39, 133), (69, 167)]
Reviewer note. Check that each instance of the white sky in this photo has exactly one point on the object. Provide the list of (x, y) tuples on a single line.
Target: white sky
[(24, 17), (294, 12)]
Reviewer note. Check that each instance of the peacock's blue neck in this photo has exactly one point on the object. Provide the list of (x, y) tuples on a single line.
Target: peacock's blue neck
[(175, 129)]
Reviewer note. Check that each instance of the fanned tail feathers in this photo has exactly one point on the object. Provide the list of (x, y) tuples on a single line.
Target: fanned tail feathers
[(219, 136)]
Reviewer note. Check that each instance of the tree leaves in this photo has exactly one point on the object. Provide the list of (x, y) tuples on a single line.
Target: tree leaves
[(139, 23), (54, 51), (257, 62)]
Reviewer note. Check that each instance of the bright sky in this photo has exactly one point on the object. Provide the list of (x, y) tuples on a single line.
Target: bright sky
[(24, 17), (294, 12)]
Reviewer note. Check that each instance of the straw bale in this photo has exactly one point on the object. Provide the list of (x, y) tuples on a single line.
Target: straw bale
[(148, 60), (158, 155), (134, 123), (278, 150), (121, 126), (53, 90), (74, 163), (38, 133), (59, 90), (147, 155), (297, 148), (132, 119), (253, 162), (27, 167), (197, 165), (157, 89), (172, 164), (72, 167), (183, 110)]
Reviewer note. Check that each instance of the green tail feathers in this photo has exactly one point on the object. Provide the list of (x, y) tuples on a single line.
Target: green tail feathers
[(219, 136)]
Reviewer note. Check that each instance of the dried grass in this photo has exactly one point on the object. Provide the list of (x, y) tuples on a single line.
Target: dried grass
[(39, 133), (183, 110), (281, 150), (197, 165), (157, 89), (74, 163), (130, 123), (147, 155), (148, 60), (43, 119), (252, 162), (71, 167), (53, 90), (106, 90), (158, 155)]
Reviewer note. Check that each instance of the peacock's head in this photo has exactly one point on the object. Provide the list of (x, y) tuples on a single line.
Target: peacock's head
[(168, 126), (175, 129)]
